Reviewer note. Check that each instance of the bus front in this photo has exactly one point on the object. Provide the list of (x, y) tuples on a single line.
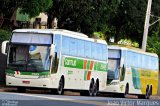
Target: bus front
[(28, 60)]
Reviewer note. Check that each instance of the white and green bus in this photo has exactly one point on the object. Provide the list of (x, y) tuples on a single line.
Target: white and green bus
[(132, 71), (55, 59)]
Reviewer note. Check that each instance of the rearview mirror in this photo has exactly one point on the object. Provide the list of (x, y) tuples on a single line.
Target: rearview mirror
[(4, 47), (52, 50)]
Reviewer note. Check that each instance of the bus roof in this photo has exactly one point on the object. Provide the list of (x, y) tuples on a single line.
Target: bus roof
[(61, 31), (50, 31), (120, 47)]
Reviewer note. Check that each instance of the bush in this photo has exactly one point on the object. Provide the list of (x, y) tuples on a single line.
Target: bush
[(4, 35)]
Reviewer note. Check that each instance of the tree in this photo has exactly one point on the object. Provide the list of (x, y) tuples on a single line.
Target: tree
[(86, 16), (128, 20), (34, 7), (8, 8), (153, 44)]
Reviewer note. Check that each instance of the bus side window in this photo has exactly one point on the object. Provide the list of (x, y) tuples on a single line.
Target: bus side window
[(87, 47), (73, 47), (99, 51), (104, 54), (93, 50), (80, 48), (65, 45)]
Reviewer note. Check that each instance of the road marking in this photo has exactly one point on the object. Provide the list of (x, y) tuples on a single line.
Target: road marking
[(38, 96)]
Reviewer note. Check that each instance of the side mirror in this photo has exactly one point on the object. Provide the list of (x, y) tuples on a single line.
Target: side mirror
[(122, 62), (4, 47), (52, 50)]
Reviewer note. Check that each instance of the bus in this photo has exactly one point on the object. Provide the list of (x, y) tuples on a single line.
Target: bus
[(132, 71), (55, 59)]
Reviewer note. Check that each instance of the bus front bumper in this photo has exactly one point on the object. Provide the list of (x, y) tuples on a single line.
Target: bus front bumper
[(39, 82)]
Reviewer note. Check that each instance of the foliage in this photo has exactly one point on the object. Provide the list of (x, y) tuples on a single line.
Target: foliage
[(153, 43), (34, 7), (86, 16), (4, 35), (31, 7), (99, 35), (128, 42)]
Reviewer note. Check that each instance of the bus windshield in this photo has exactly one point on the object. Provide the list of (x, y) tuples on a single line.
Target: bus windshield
[(29, 58), (113, 68)]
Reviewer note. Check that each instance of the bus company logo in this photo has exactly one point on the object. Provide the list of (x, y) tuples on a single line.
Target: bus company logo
[(70, 62)]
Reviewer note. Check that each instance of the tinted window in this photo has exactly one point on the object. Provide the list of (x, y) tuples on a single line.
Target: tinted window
[(65, 45), (99, 51), (80, 48), (129, 58), (104, 52), (57, 43), (87, 47), (154, 63), (73, 47), (143, 61), (94, 51)]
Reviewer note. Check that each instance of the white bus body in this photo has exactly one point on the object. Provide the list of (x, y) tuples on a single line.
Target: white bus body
[(78, 62), (132, 71)]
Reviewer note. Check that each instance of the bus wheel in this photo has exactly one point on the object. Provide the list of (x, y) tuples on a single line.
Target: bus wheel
[(126, 91), (148, 93), (91, 88), (95, 89), (60, 90), (21, 89)]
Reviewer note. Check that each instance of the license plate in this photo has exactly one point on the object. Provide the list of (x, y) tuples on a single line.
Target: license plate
[(26, 82)]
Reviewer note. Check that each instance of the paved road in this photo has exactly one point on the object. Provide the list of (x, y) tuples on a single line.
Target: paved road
[(26, 99)]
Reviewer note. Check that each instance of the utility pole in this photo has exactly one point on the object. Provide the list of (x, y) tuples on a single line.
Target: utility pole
[(146, 26)]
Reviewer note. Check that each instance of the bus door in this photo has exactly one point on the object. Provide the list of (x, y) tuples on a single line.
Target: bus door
[(56, 56), (114, 57)]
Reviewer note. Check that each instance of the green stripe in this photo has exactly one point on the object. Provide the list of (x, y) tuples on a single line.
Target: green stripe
[(101, 66), (78, 63), (10, 71), (95, 65), (88, 64)]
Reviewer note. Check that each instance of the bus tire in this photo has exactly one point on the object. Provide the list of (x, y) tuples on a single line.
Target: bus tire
[(146, 95), (126, 90), (60, 89), (91, 88), (95, 88), (148, 92), (21, 89)]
